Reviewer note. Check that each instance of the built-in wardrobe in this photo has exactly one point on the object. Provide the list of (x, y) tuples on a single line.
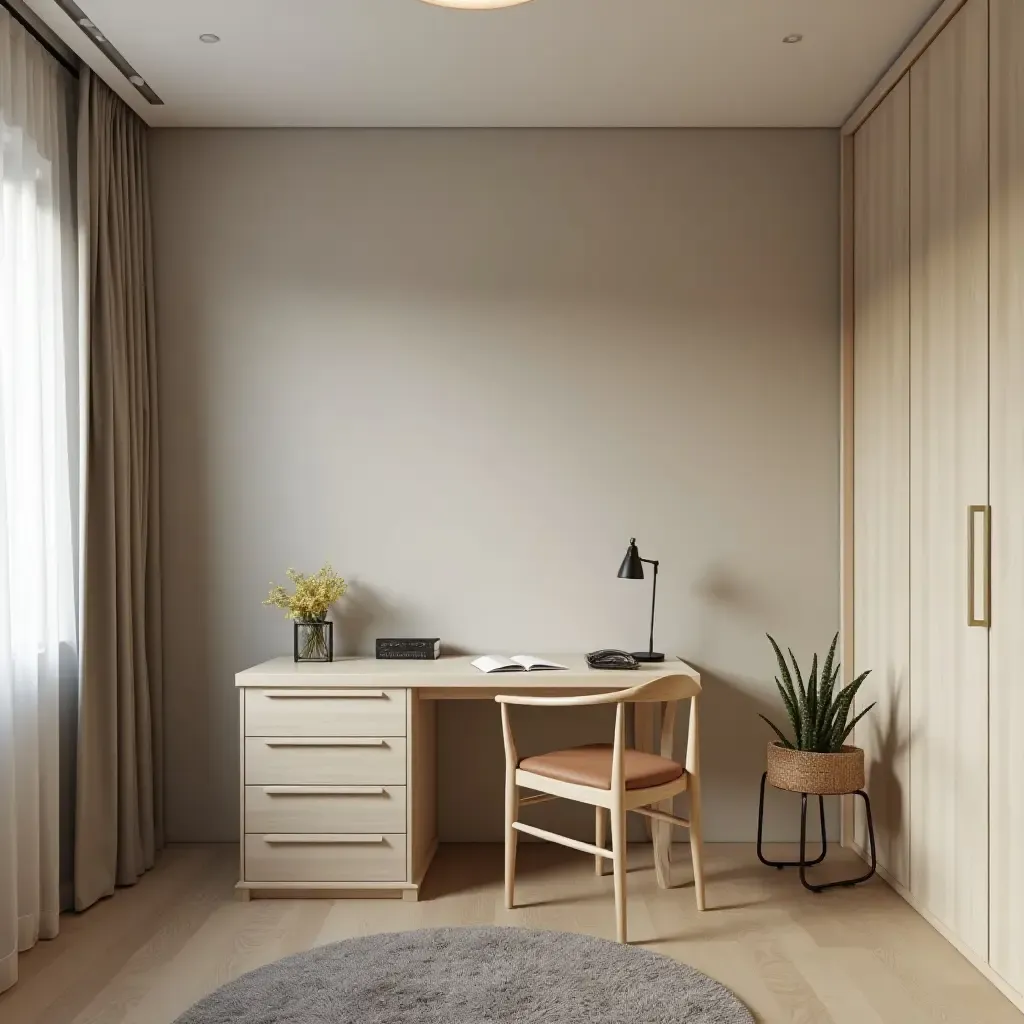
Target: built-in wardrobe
[(938, 480)]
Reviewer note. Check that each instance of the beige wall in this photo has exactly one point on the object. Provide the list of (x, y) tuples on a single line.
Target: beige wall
[(467, 366)]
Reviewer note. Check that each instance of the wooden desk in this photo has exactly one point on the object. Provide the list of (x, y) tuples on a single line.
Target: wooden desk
[(338, 764)]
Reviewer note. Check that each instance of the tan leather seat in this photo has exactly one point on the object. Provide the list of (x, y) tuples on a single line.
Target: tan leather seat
[(592, 766)]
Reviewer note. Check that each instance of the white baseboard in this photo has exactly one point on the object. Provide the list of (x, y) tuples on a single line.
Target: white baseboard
[(976, 961)]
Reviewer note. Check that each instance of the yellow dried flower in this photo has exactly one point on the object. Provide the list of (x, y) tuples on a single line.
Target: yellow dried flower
[(313, 594)]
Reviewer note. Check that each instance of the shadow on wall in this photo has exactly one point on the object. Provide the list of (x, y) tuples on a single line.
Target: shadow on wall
[(732, 771), (889, 747), (368, 613), (718, 588), (727, 611), (734, 740)]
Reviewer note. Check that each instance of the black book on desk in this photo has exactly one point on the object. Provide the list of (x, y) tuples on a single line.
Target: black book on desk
[(409, 648)]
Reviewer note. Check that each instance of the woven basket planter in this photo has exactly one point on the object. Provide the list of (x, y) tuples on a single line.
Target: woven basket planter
[(804, 771)]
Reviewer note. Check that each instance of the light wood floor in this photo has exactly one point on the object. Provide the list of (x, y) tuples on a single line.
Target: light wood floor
[(857, 956)]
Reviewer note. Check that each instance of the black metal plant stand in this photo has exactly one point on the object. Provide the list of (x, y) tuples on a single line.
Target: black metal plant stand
[(803, 863)]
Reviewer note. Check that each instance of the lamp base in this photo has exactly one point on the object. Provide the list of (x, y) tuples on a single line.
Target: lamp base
[(648, 656)]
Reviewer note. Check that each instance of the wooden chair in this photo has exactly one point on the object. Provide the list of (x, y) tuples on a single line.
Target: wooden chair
[(614, 779)]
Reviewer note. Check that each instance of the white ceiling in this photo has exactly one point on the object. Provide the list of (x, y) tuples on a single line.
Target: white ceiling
[(545, 63)]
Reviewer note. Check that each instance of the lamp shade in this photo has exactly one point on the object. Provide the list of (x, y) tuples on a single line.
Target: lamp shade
[(632, 568)]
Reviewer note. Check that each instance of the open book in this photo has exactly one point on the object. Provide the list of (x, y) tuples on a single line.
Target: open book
[(517, 663)]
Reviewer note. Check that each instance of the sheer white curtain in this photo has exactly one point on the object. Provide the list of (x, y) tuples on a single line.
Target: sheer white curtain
[(37, 595)]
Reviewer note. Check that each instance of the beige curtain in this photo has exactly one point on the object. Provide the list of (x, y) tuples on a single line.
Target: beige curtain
[(119, 808), (37, 582)]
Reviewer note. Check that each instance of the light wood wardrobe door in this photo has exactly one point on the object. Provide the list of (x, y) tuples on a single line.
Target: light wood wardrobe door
[(881, 521), (949, 472), (1006, 689)]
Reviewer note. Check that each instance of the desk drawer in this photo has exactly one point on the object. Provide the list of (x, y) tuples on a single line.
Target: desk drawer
[(325, 761), (325, 809), (297, 712), (325, 858)]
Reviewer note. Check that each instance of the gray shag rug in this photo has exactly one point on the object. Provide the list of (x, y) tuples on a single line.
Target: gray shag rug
[(472, 976)]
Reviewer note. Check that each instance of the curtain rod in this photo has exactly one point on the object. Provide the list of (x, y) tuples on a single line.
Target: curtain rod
[(39, 37)]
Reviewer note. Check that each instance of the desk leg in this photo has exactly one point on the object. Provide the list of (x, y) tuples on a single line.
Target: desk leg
[(421, 788), (643, 739)]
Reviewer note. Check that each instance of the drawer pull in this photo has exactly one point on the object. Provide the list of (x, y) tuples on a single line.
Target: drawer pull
[(303, 741), (324, 790), (322, 840), (324, 694)]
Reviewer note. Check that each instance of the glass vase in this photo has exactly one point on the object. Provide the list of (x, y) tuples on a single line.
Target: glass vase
[(314, 640)]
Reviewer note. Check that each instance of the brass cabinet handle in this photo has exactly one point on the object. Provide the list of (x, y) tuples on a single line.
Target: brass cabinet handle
[(983, 619)]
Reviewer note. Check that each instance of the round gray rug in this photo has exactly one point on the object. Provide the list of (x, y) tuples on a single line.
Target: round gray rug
[(472, 976)]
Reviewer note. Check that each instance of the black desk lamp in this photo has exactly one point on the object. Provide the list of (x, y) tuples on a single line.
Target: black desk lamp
[(632, 568)]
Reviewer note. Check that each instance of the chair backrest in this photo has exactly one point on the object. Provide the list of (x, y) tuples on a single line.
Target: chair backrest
[(667, 690), (664, 688)]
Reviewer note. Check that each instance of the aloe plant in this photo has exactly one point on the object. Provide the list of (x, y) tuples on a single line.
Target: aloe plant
[(816, 711)]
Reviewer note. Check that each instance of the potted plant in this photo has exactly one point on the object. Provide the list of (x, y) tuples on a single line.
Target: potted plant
[(816, 760), (313, 634)]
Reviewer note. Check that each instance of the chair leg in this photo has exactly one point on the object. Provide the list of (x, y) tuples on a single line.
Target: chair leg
[(618, 816), (511, 839), (644, 739), (696, 841), (600, 828), (662, 839)]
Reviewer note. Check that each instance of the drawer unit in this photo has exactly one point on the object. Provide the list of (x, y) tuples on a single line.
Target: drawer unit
[(324, 858), (324, 712), (325, 761), (337, 788), (317, 809)]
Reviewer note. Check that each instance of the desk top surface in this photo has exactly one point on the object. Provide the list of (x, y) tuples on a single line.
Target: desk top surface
[(453, 672)]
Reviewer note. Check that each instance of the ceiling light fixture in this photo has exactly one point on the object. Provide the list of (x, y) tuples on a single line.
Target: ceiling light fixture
[(794, 38), (475, 5), (137, 80), (209, 37)]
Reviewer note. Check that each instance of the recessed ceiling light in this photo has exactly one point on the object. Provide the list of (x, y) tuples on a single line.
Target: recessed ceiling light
[(795, 37), (475, 5), (209, 37), (137, 80), (90, 27)]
